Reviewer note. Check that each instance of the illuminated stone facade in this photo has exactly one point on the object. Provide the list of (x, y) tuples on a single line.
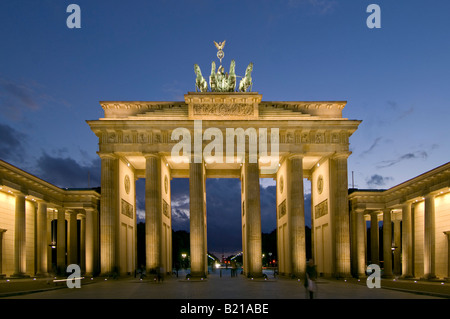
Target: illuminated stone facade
[(137, 140), (39, 226), (416, 226)]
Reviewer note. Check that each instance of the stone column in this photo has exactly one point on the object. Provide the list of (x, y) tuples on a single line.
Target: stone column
[(72, 251), (296, 214), (197, 219), (340, 212), (1, 253), (61, 242), (374, 238), (253, 224), (387, 243), (360, 243), (20, 261), (90, 242), (153, 211), (83, 244), (397, 245), (42, 243), (109, 215), (429, 238), (407, 262), (448, 254)]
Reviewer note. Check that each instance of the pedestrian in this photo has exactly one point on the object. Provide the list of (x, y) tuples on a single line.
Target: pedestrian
[(310, 279)]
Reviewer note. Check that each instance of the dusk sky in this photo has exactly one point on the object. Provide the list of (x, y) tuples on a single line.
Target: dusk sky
[(395, 79)]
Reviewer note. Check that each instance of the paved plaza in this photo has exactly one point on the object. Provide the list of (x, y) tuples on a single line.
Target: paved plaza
[(218, 286)]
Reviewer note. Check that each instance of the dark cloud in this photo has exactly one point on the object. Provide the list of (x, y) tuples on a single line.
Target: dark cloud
[(11, 144), (66, 172), (407, 156), (378, 180)]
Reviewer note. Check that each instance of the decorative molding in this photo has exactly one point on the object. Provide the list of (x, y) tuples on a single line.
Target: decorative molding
[(127, 184), (320, 184), (282, 209), (127, 209), (166, 209), (321, 209), (281, 184), (222, 109), (219, 106)]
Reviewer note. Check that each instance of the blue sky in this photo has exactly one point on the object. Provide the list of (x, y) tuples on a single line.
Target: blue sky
[(395, 79)]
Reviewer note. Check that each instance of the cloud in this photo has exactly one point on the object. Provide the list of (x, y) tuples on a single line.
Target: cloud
[(11, 144), (20, 93), (378, 180), (407, 156), (67, 173), (19, 98), (370, 149)]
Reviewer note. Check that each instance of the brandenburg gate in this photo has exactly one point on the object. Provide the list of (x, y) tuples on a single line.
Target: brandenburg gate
[(225, 133)]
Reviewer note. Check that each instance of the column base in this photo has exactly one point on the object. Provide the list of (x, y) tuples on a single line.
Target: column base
[(42, 275), (2, 276), (255, 275)]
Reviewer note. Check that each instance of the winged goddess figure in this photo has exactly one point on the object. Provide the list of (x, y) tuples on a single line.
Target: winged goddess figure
[(219, 47)]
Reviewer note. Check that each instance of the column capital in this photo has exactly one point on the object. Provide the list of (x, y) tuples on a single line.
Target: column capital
[(152, 155), (72, 212), (295, 155), (430, 195), (104, 155), (339, 155)]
